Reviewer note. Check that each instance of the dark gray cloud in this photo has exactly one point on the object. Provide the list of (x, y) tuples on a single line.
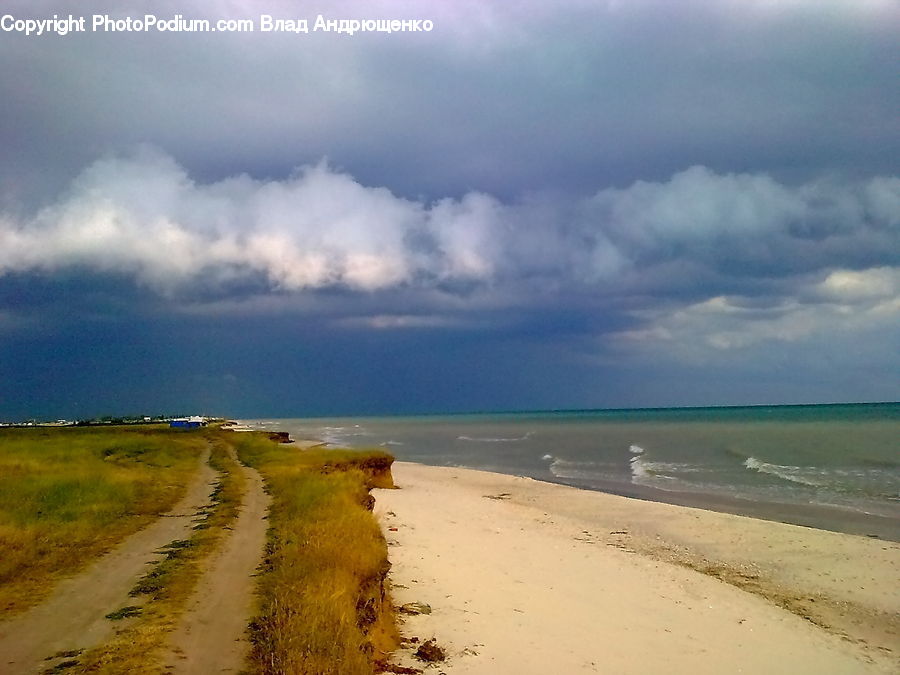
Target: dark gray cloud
[(321, 238), (569, 97)]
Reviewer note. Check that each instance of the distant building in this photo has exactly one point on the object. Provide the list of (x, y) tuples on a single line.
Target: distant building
[(193, 422)]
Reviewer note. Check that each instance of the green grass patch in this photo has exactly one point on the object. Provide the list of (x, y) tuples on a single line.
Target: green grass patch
[(322, 599), (124, 613), (61, 667), (69, 495)]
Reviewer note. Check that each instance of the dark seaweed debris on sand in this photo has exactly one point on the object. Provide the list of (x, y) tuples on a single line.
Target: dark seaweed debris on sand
[(398, 670), (430, 652), (415, 608)]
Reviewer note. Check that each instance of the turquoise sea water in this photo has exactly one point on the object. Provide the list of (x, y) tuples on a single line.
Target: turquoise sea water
[(842, 457)]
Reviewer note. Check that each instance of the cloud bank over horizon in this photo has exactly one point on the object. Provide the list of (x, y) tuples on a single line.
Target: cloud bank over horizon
[(142, 215), (697, 262)]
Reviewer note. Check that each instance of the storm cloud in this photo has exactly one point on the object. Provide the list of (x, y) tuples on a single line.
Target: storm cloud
[(143, 215), (726, 261), (499, 98), (576, 203)]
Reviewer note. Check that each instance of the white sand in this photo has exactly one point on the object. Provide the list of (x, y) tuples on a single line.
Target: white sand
[(542, 580)]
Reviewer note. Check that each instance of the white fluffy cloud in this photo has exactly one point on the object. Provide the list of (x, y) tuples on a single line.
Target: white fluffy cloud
[(843, 305), (143, 216), (877, 284), (721, 219)]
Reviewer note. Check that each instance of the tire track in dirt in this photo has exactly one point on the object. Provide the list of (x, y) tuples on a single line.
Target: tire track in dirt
[(211, 636), (74, 616)]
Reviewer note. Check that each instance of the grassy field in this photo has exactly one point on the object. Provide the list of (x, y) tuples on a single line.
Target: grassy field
[(68, 495), (322, 600)]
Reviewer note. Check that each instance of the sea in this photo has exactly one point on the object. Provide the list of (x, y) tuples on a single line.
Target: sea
[(830, 466)]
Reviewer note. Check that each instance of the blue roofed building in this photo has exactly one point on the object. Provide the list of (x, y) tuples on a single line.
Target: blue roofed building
[(193, 422)]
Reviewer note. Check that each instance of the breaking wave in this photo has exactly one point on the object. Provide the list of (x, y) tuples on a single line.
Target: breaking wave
[(643, 472), (789, 473), (563, 468), (638, 468), (342, 436)]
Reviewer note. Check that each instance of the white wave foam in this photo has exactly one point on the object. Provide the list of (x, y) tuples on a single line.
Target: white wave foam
[(638, 469), (495, 440), (644, 472), (548, 457), (789, 473), (561, 468), (341, 436)]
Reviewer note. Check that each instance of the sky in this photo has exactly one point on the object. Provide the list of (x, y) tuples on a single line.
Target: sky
[(533, 205)]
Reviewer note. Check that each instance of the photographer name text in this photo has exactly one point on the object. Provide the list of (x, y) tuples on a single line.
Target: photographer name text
[(264, 23)]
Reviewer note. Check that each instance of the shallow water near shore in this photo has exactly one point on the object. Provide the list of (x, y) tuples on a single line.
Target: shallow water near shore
[(830, 466)]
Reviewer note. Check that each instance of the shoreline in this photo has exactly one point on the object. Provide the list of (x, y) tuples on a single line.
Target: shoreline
[(830, 518), (826, 517), (877, 519), (458, 536)]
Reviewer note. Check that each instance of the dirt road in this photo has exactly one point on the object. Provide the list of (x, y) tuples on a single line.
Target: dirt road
[(211, 635)]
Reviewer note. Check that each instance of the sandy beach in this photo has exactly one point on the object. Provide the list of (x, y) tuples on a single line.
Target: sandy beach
[(522, 576)]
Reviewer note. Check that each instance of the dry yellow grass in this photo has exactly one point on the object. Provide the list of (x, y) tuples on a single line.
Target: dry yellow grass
[(323, 607), (69, 495), (322, 597)]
